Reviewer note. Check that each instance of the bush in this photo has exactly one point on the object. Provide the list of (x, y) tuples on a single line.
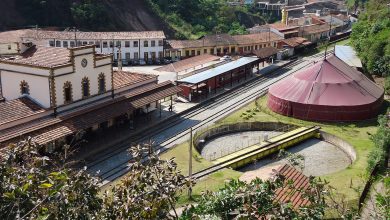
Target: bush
[(387, 85)]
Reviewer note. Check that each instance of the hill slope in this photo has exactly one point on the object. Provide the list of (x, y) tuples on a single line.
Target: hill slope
[(119, 15)]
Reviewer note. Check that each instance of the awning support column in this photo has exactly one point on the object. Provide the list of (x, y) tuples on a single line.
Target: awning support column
[(231, 78), (160, 108), (215, 85)]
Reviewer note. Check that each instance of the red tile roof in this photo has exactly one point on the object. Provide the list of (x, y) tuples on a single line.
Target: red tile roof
[(42, 57), (188, 63), (295, 183), (265, 52), (50, 129), (12, 36), (316, 28), (256, 38), (70, 35), (296, 41), (17, 109), (125, 78)]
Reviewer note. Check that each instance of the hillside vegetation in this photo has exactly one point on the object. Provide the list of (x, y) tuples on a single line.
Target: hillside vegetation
[(192, 19), (88, 15), (371, 37)]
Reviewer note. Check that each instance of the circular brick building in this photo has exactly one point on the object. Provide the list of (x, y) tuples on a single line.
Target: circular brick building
[(329, 90)]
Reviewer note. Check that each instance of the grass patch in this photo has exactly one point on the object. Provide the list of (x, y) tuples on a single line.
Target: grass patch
[(357, 134)]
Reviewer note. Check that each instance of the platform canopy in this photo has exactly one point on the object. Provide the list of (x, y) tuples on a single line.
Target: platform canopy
[(348, 55), (329, 90), (210, 73)]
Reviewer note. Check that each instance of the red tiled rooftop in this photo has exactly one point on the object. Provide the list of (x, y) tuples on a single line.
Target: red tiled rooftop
[(125, 78), (296, 41), (17, 109), (42, 57), (49, 129), (295, 183), (256, 38), (188, 63), (83, 35)]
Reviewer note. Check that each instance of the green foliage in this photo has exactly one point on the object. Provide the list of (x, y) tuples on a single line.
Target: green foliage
[(199, 17), (34, 186), (381, 141), (383, 200), (88, 13), (256, 199), (38, 186), (387, 85), (371, 37)]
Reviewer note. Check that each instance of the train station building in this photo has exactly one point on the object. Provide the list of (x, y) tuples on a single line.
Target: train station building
[(55, 94), (208, 81)]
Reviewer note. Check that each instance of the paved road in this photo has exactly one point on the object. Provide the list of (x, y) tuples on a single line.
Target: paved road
[(114, 167)]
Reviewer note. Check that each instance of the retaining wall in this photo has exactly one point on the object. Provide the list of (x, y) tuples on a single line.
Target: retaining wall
[(340, 143), (201, 137)]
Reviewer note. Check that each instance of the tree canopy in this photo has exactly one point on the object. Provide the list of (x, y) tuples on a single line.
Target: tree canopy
[(371, 37)]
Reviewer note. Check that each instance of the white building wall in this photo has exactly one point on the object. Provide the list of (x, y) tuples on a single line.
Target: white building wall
[(76, 78), (104, 46), (9, 48), (38, 87)]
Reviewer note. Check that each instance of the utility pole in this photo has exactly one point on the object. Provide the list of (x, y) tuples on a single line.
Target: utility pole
[(75, 36), (190, 166), (330, 30), (119, 58)]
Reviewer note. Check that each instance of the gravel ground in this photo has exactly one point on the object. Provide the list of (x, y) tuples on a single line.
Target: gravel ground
[(230, 143), (321, 158)]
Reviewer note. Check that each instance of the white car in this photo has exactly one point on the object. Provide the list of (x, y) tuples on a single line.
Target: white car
[(226, 58)]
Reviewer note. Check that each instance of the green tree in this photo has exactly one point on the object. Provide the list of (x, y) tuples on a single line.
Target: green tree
[(256, 199), (371, 37), (35, 185)]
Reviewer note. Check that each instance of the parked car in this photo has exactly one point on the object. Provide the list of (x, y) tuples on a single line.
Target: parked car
[(157, 62), (142, 62), (149, 62), (226, 58), (135, 62)]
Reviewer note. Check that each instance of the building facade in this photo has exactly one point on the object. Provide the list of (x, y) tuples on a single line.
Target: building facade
[(221, 44), (54, 94), (134, 46)]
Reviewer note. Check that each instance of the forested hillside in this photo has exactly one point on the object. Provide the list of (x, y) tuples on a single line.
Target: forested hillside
[(98, 15), (192, 19), (178, 18), (371, 37)]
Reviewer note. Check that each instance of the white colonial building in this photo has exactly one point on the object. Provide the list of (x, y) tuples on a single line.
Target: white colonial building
[(51, 94), (135, 46), (54, 77)]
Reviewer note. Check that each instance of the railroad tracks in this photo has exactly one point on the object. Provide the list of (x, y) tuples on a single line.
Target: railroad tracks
[(117, 168)]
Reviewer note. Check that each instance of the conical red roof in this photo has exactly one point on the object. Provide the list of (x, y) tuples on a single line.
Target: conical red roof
[(329, 90)]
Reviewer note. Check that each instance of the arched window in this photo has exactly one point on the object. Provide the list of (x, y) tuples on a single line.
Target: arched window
[(85, 87), (102, 83), (24, 88), (68, 92)]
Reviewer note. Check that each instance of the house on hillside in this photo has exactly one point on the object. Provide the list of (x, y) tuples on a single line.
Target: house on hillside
[(11, 43)]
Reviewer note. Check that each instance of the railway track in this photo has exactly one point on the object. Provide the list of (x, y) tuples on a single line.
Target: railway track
[(211, 103), (120, 168)]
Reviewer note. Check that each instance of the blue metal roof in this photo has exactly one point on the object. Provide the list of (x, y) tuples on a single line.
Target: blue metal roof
[(348, 55), (210, 73)]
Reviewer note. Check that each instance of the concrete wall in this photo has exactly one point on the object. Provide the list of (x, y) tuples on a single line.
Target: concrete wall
[(201, 137), (340, 143)]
